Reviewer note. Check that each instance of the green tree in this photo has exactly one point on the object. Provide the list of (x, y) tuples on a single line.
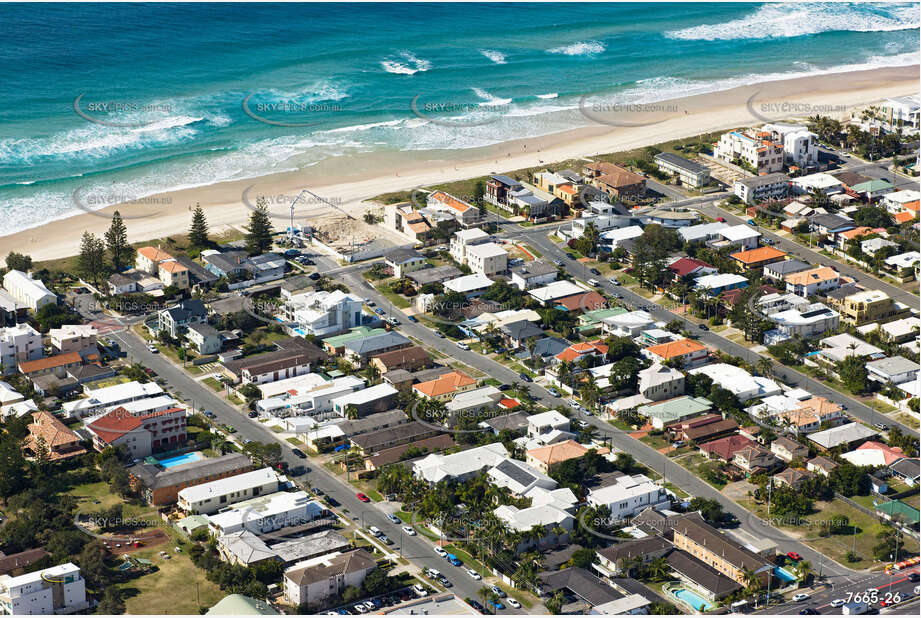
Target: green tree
[(117, 242), (91, 261), (853, 373), (112, 602), (259, 231), (18, 261), (198, 230), (479, 190)]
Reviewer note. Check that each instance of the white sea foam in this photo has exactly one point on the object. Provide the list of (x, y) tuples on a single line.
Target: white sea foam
[(496, 56), (489, 100), (406, 64), (582, 48), (549, 95), (785, 20)]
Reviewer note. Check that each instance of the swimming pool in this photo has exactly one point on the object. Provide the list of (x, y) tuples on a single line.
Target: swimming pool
[(784, 575), (693, 599), (179, 460)]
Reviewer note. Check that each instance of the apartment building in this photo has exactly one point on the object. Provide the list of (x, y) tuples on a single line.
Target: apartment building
[(689, 173), (60, 589), (73, 337), (139, 435), (314, 582), (629, 495), (211, 497), (28, 291), (694, 536), (487, 258), (19, 343), (800, 145), (756, 149), (466, 214), (757, 189), (614, 180), (870, 306), (161, 486), (813, 281), (463, 239), (322, 313)]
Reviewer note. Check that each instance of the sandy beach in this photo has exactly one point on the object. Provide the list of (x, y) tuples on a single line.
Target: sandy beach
[(349, 182)]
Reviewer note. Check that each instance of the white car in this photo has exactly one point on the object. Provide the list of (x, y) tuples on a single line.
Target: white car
[(474, 574), (837, 603), (420, 591), (800, 596), (441, 552), (370, 606), (409, 530), (574, 404), (361, 609), (462, 345), (514, 603), (374, 530), (614, 281)]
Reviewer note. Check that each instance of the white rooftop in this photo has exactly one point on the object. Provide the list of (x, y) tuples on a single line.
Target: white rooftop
[(468, 283), (739, 232), (111, 395), (487, 250), (547, 419), (703, 230), (718, 280), (903, 197), (372, 393), (557, 289), (738, 381), (436, 467), (484, 396), (471, 234), (221, 487)]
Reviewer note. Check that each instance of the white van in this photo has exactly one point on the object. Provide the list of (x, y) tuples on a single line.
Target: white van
[(594, 283)]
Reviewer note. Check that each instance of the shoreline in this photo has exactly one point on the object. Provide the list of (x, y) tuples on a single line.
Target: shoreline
[(349, 182)]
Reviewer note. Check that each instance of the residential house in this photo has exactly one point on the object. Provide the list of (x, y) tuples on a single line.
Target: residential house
[(791, 477), (870, 306), (812, 414), (460, 466), (726, 448), (463, 239), (778, 270), (360, 351), (714, 285), (807, 321), (702, 429), (517, 334), (616, 559), (691, 268), (898, 201), (412, 358), (686, 352), (498, 188), (658, 382), (408, 221), (466, 214), (204, 338), (800, 145), (174, 274), (28, 291), (847, 435), (894, 370), (315, 582), (148, 259), (874, 245), (533, 274), (176, 320), (389, 437), (50, 438), (753, 259), (629, 324), (835, 349), (109, 397), (672, 218), (738, 381), (445, 387), (614, 180), (670, 411), (403, 261), (757, 189), (470, 286), (689, 173), (701, 577), (787, 450), (629, 495), (821, 465), (874, 454), (812, 282), (545, 458), (754, 460), (377, 398), (296, 357), (547, 422), (267, 513), (702, 232), (826, 183), (906, 469), (831, 225)]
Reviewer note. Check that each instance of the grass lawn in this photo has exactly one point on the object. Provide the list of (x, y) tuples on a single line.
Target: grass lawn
[(491, 382), (913, 500), (907, 419), (294, 441), (655, 442), (213, 383), (177, 587), (537, 254), (98, 496), (468, 560), (881, 406), (837, 546), (395, 299)]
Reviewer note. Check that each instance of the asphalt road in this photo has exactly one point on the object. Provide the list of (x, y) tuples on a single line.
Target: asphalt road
[(897, 588), (200, 397)]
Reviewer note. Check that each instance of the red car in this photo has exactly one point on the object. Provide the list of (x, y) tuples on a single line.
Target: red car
[(363, 497), (794, 556), (721, 220)]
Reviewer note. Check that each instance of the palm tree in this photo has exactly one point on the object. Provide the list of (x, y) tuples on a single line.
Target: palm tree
[(351, 411), (764, 366), (555, 603), (487, 595), (658, 569), (804, 567), (531, 344)]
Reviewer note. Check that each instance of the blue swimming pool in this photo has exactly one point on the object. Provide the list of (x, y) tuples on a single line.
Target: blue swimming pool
[(693, 599), (179, 460), (784, 575)]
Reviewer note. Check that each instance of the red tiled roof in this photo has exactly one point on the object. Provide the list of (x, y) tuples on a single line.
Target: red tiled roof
[(686, 266), (726, 448), (586, 301), (58, 360), (449, 200), (675, 349), (115, 424), (578, 350)]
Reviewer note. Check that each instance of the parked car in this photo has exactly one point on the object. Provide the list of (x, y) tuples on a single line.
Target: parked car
[(385, 539), (420, 591), (703, 327), (441, 552), (253, 414), (445, 582), (553, 392), (409, 530), (378, 311), (614, 281), (836, 603), (913, 578), (721, 219), (299, 453), (361, 609), (499, 592), (594, 283), (525, 377), (794, 556), (570, 255), (496, 604), (476, 605), (474, 574), (394, 518), (800, 596), (573, 404), (594, 271), (362, 497), (314, 276), (557, 262), (412, 318), (439, 334), (808, 611), (514, 603), (881, 426), (374, 530)]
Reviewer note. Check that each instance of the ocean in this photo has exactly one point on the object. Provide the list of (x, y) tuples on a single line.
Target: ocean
[(107, 103)]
